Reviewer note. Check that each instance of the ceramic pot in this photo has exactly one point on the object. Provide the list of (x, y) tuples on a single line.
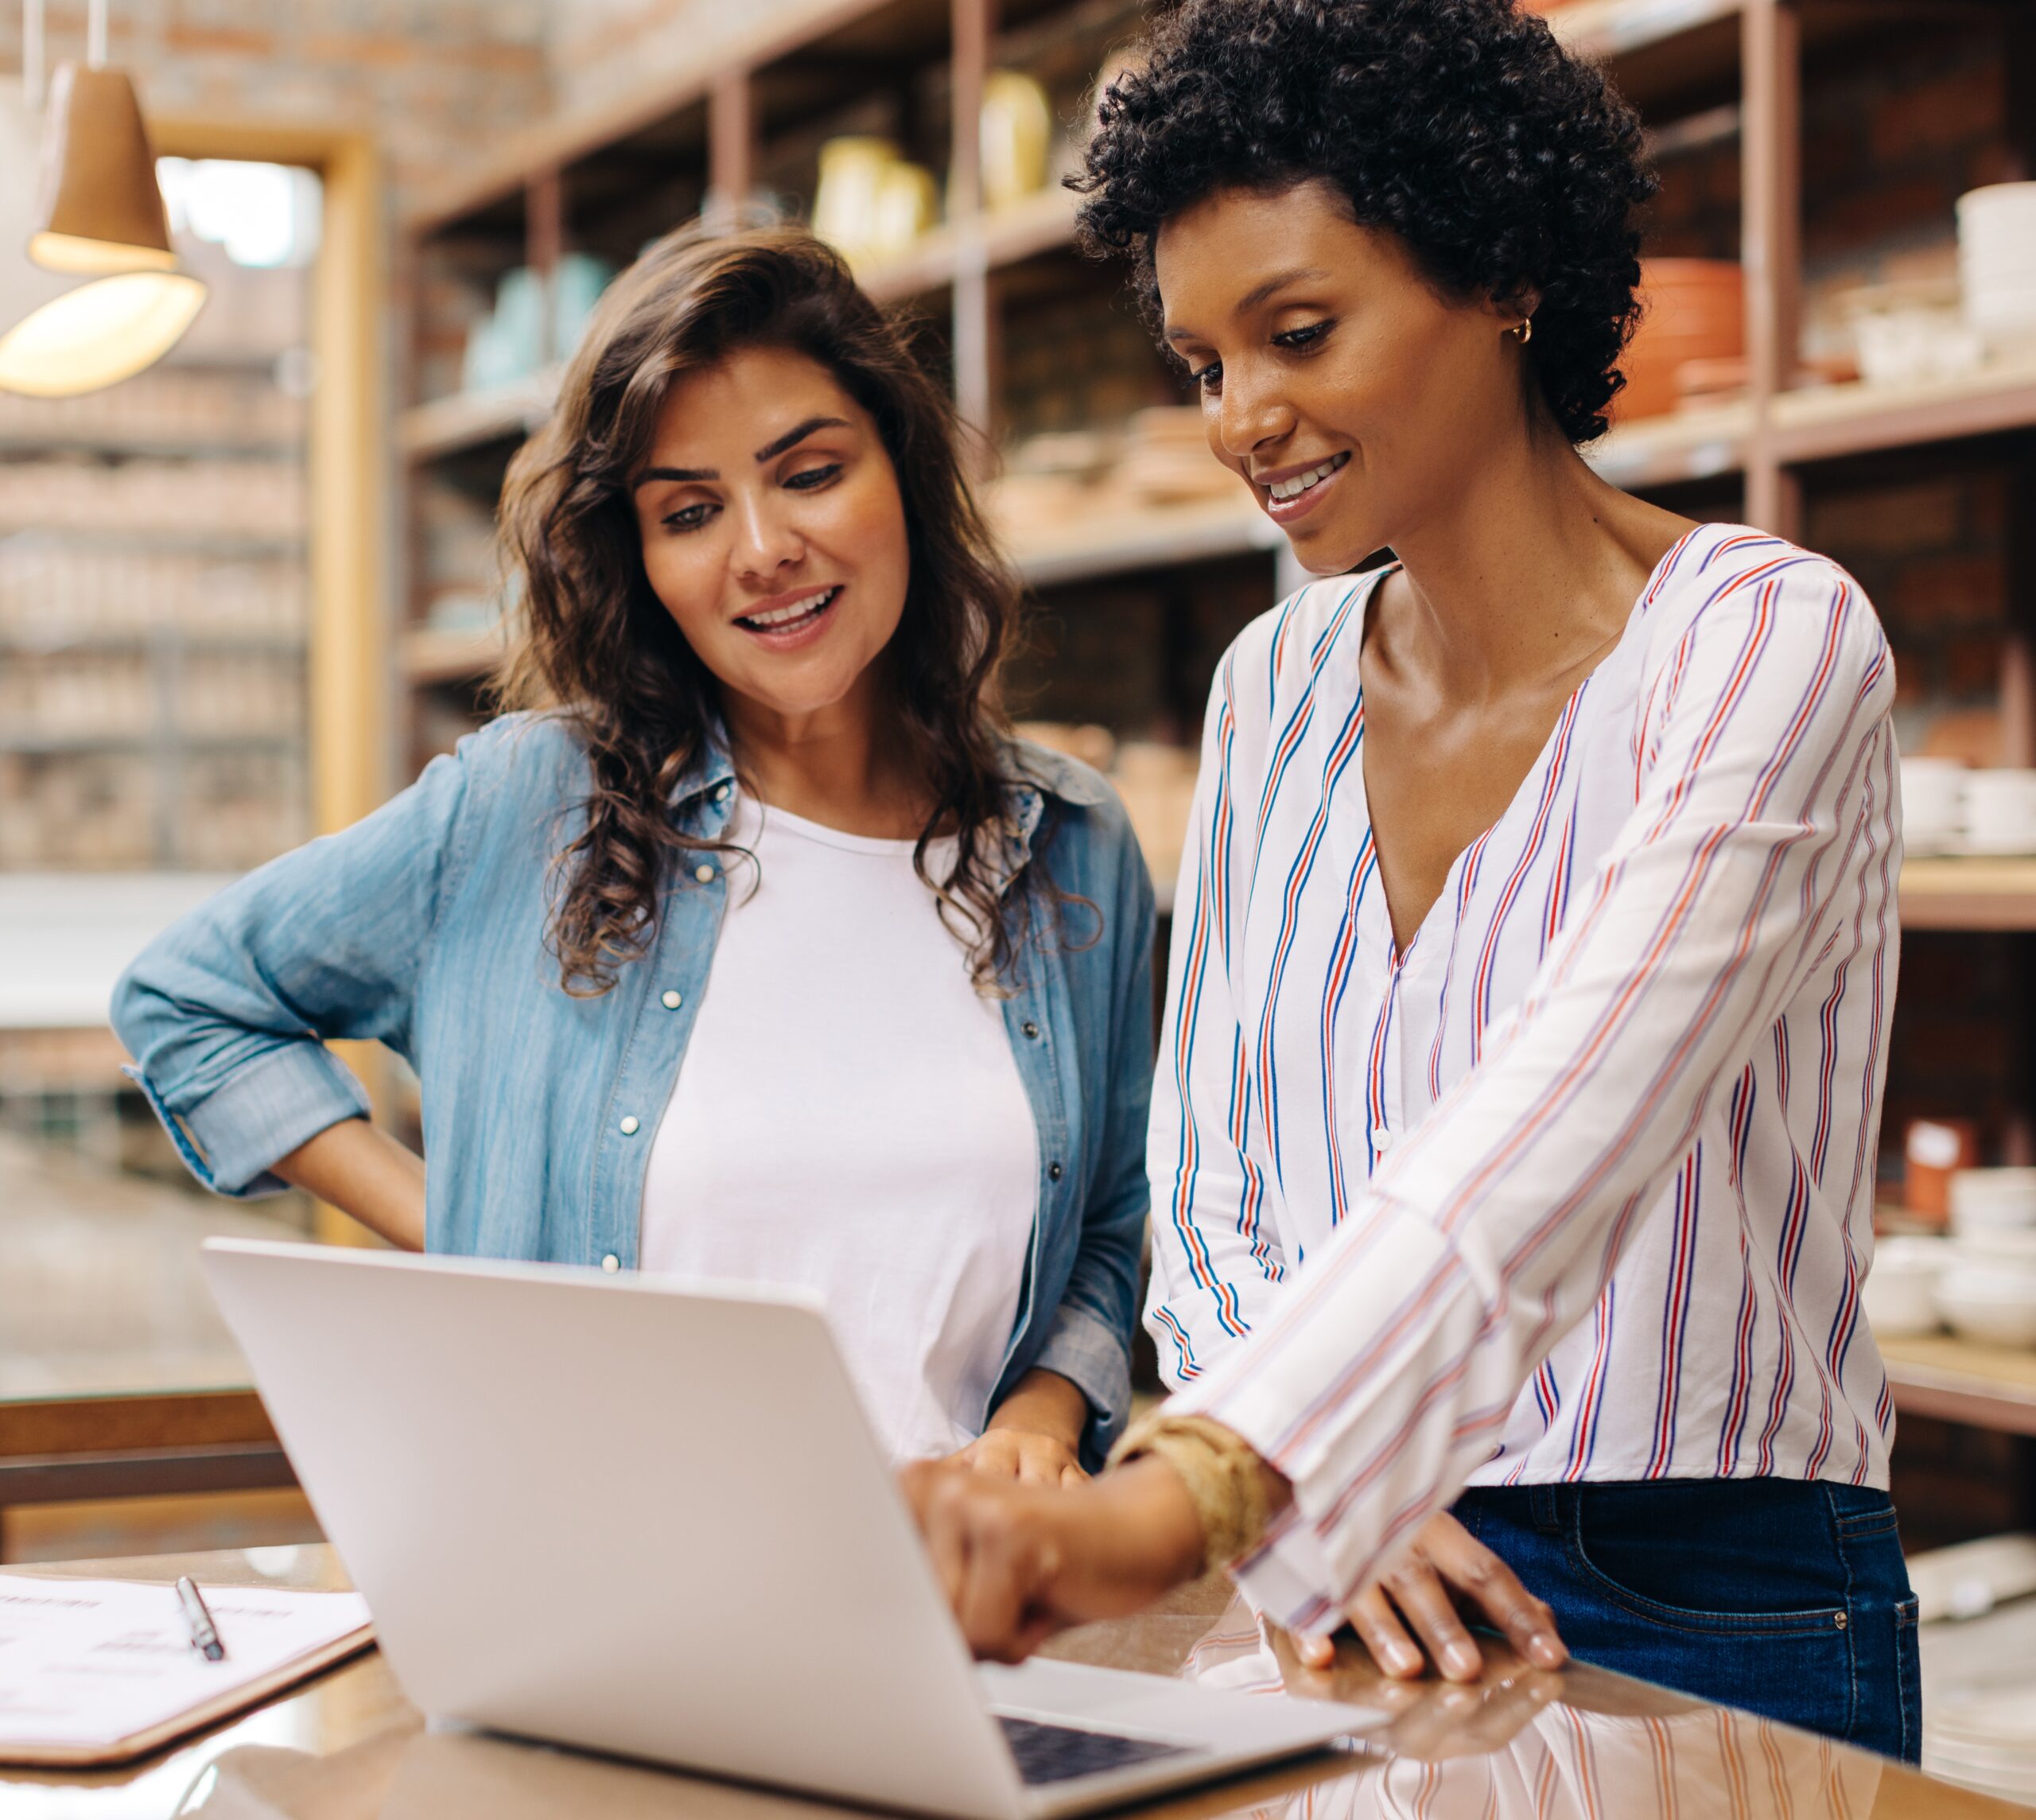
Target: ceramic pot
[(1016, 138), (1693, 310), (846, 204)]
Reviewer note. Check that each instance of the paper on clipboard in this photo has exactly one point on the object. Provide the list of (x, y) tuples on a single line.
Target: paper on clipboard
[(88, 1666)]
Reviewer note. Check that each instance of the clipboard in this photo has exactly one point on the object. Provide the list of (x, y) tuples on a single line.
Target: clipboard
[(99, 1672)]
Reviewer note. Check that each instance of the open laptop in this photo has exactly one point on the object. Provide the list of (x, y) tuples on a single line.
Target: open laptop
[(646, 1516)]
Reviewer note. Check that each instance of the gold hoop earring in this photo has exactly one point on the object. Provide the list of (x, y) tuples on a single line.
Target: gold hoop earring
[(1523, 330)]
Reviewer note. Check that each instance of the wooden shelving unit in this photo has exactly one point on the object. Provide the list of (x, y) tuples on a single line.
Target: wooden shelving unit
[(467, 420), (715, 128)]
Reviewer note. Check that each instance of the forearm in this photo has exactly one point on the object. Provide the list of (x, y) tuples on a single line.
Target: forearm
[(1044, 1402), (367, 1174)]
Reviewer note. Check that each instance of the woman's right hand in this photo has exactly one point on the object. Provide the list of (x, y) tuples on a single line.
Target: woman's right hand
[(1019, 1562), (367, 1174)]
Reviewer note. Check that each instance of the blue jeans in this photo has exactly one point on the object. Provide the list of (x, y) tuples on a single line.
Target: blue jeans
[(1782, 1598)]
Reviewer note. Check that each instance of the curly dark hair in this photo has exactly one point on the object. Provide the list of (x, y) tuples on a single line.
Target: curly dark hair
[(1508, 168), (595, 644)]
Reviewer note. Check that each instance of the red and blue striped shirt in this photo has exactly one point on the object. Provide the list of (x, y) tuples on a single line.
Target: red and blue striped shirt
[(1579, 1184)]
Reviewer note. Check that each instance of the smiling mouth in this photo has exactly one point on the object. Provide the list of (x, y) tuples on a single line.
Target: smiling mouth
[(793, 616), (1282, 492)]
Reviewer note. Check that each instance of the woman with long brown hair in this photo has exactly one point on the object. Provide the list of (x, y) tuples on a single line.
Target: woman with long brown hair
[(753, 946)]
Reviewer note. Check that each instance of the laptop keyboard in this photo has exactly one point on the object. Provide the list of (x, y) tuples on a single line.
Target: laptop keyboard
[(1060, 1753)]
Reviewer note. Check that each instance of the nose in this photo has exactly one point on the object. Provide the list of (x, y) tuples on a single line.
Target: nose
[(1251, 414), (767, 541)]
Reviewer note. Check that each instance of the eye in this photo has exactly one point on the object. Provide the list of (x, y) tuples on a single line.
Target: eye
[(688, 518), (1207, 380), (807, 479), (1307, 337)]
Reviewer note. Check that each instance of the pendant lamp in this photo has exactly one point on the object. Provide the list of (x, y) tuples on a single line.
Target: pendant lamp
[(100, 209), (100, 212)]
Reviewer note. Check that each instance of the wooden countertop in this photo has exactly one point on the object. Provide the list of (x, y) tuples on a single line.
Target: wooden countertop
[(1523, 1744)]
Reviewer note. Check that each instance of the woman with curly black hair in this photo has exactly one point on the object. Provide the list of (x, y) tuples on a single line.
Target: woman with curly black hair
[(1535, 947)]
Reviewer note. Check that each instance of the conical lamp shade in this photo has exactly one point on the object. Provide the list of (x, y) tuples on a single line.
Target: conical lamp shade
[(99, 208), (99, 333)]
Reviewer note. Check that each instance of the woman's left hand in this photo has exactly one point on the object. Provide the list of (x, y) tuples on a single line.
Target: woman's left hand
[(1446, 1565), (1017, 1453), (1034, 1434)]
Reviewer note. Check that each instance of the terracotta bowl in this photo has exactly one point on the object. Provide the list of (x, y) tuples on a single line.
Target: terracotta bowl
[(1693, 310)]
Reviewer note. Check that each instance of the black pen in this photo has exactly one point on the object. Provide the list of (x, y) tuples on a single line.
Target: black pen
[(205, 1633)]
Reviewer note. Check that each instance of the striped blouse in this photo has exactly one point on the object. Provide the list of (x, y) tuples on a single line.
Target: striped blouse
[(1580, 1184)]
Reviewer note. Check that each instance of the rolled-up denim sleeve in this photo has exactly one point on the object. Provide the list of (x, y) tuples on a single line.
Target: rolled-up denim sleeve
[(1089, 1340), (226, 1013)]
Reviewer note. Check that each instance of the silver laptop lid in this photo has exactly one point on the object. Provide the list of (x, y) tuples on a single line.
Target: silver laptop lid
[(625, 1512)]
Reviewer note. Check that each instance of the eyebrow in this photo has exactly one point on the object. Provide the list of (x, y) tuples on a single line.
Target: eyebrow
[(1258, 293), (791, 438)]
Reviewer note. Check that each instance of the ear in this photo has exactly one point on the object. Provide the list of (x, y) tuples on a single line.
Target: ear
[(1508, 311)]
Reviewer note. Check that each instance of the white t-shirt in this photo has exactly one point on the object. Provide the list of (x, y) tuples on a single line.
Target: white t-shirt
[(849, 1117)]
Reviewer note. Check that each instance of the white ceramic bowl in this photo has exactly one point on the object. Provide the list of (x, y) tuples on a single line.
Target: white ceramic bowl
[(1932, 802), (2005, 209), (1988, 1200), (2007, 1245), (1986, 1302), (1900, 1292)]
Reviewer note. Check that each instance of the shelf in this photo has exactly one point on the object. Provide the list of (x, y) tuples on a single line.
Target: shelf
[(1613, 28), (928, 266), (1695, 445), (224, 546), (1158, 537), (185, 643), (77, 745), (465, 420), (1969, 894), (1034, 225), (110, 446), (1960, 1380), (1818, 423), (432, 656), (1823, 421)]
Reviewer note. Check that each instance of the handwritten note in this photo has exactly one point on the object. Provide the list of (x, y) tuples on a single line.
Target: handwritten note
[(86, 1663)]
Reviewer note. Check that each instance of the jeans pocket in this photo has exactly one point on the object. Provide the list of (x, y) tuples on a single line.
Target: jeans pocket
[(1706, 1576), (1734, 1592)]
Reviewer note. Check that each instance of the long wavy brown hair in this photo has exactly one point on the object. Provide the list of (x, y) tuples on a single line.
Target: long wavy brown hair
[(594, 645)]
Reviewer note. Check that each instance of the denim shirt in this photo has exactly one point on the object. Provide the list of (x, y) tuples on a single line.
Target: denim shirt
[(423, 927)]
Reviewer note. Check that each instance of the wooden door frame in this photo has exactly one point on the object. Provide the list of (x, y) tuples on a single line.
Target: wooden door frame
[(350, 677), (349, 643)]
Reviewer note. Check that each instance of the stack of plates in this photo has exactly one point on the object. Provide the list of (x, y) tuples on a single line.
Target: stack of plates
[(1949, 808), (1932, 805), (1997, 261), (1987, 1290), (2000, 811)]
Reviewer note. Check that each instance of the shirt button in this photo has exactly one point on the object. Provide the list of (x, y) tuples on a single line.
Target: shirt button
[(1382, 1139), (631, 1124), (611, 1263), (1032, 1029), (721, 795), (704, 872), (671, 1001), (1053, 1171)]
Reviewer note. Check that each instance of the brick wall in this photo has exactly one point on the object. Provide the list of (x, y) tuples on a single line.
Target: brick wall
[(434, 80)]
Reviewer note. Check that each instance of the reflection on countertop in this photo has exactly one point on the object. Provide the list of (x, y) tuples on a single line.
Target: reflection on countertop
[(1524, 1745), (1979, 1701)]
